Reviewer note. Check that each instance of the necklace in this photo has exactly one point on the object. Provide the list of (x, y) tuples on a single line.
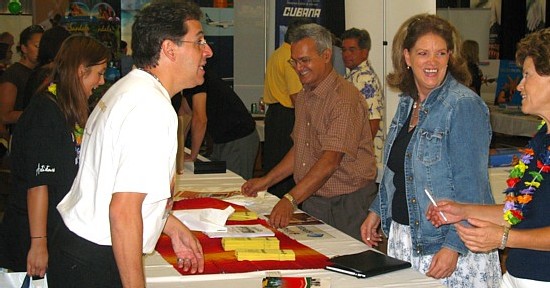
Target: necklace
[(516, 198), (151, 73), (414, 115)]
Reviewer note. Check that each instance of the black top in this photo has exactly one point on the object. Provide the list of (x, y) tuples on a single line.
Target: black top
[(37, 78), (228, 117), (396, 163), (17, 74), (43, 153), (526, 263), (476, 77)]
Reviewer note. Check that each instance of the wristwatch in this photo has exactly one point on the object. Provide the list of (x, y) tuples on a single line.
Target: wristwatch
[(290, 198)]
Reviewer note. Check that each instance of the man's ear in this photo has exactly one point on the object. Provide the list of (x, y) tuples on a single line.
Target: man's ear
[(327, 55), (168, 49)]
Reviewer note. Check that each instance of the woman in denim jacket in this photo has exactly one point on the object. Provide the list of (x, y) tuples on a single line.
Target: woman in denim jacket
[(439, 142)]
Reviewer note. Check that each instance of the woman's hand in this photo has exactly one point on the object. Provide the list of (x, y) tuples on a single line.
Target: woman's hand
[(443, 263), (453, 211), (37, 259), (369, 230), (482, 236)]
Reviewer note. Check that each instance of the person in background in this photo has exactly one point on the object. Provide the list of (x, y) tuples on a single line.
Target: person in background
[(332, 158), (7, 38), (427, 151), (4, 61), (126, 61), (470, 52), (356, 46), (281, 85), (522, 224), (218, 110), (14, 79), (4, 134), (50, 43), (129, 176), (6, 44), (45, 148)]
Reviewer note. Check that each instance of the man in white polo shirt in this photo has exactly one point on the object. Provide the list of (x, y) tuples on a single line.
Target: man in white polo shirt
[(120, 200)]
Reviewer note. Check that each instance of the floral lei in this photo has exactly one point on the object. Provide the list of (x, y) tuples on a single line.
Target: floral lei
[(78, 131), (517, 199)]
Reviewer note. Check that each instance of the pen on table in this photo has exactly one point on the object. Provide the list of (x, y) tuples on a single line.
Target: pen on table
[(433, 202), (344, 271)]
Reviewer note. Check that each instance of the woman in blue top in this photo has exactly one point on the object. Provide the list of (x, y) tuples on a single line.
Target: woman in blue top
[(522, 223), (439, 142)]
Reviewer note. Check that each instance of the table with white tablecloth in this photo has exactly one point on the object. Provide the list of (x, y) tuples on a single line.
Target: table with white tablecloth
[(511, 121), (160, 273)]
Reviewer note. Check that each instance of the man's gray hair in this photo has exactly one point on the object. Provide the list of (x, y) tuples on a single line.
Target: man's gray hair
[(319, 34)]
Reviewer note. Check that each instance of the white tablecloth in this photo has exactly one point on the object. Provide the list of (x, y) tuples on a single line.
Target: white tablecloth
[(513, 122), (497, 179), (161, 274), (260, 126)]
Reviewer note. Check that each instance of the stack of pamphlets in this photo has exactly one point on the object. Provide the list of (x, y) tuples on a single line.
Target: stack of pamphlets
[(256, 230), (243, 216), (265, 254), (233, 243)]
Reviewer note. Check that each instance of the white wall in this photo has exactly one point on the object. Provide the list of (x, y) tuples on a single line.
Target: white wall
[(462, 19), (382, 19), (249, 49)]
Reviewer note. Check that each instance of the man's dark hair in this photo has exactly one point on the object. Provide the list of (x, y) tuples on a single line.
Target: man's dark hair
[(362, 36), (293, 25), (159, 21)]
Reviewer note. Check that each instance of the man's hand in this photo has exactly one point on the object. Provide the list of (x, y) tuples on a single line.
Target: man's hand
[(187, 247), (188, 158), (443, 263), (251, 187), (281, 213)]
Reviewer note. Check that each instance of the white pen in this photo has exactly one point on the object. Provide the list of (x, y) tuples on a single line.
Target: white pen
[(433, 202)]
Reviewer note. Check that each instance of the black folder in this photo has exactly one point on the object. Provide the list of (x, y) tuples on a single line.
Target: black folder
[(366, 264), (209, 167)]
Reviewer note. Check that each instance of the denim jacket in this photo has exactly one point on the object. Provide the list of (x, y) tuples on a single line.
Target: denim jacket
[(448, 155)]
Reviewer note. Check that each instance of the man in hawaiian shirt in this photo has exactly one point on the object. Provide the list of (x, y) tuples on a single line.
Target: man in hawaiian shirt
[(356, 45)]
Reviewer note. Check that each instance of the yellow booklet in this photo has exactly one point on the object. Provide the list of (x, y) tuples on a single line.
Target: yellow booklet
[(265, 254), (243, 216), (235, 243)]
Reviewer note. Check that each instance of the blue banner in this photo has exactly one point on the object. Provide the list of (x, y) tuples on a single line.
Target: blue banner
[(287, 10)]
